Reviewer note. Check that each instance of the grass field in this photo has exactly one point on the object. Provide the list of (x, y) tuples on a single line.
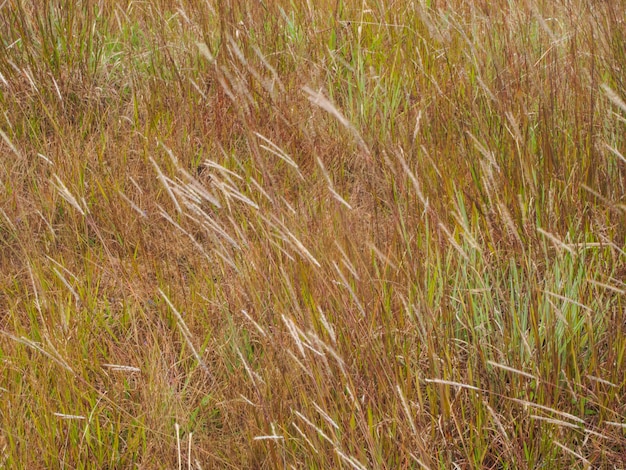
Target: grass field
[(312, 234)]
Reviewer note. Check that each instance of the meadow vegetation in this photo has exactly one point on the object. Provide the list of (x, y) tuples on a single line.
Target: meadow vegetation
[(312, 234)]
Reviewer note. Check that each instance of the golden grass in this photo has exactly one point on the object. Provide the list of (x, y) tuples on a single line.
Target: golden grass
[(312, 234)]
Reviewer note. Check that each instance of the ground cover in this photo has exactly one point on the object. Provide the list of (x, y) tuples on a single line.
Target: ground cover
[(329, 234)]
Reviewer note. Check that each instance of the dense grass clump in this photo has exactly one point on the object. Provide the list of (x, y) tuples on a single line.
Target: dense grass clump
[(330, 234)]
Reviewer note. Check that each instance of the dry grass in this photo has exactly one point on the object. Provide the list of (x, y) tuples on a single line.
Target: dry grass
[(312, 234)]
